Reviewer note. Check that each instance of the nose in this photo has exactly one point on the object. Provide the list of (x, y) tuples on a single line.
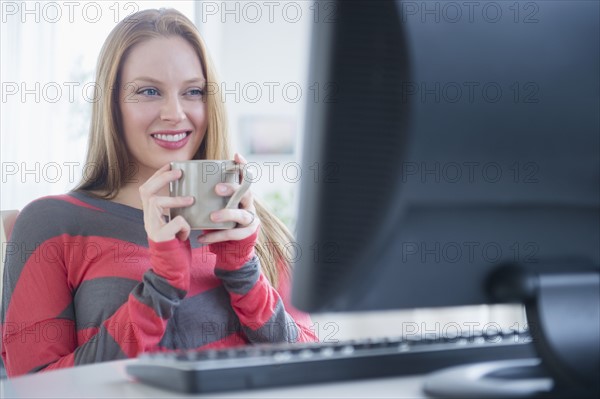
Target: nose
[(172, 110)]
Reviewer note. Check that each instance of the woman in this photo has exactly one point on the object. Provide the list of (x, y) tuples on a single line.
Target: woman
[(99, 273)]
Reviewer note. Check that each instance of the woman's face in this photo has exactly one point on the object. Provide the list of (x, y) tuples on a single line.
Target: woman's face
[(162, 102)]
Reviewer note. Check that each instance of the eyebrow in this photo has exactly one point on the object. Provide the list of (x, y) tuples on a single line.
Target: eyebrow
[(152, 80)]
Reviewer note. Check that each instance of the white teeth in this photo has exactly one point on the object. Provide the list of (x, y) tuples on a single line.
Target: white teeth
[(170, 137)]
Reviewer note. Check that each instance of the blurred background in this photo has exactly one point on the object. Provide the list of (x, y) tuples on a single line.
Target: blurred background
[(49, 52)]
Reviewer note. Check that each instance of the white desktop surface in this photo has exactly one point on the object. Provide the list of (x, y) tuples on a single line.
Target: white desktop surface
[(109, 380)]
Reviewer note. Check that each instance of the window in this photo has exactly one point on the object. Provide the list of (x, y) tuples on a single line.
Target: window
[(49, 52)]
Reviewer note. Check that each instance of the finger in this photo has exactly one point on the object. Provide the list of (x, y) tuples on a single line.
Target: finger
[(178, 227), (158, 180), (163, 168), (153, 221), (242, 217), (247, 201), (227, 235), (154, 210), (171, 202), (226, 189), (238, 158), (184, 233)]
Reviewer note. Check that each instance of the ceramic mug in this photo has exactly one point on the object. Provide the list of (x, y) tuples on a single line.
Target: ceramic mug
[(198, 180)]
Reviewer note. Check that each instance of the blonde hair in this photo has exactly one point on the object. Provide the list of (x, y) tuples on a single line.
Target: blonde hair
[(106, 146)]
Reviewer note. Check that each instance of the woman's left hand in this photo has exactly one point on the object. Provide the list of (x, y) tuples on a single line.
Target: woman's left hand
[(245, 216)]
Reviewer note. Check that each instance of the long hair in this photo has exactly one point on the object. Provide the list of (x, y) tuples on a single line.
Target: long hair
[(107, 153)]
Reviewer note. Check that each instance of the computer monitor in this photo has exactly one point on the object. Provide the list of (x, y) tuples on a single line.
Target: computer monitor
[(453, 158)]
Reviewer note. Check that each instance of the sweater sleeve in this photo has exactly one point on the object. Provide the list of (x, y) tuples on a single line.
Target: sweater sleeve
[(265, 315), (38, 323)]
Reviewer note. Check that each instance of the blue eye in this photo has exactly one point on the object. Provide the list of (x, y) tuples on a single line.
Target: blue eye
[(196, 92), (148, 92)]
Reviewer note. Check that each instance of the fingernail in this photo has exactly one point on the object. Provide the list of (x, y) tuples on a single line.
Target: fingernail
[(216, 217), (222, 189)]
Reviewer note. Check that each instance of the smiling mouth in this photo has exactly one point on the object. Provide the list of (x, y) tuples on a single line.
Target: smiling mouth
[(171, 137)]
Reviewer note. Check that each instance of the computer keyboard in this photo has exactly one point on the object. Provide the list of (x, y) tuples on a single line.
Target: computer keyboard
[(272, 365)]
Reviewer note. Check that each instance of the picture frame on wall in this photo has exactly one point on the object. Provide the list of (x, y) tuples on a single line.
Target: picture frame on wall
[(264, 134)]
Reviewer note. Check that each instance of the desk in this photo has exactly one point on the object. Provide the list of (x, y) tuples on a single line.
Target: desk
[(109, 380)]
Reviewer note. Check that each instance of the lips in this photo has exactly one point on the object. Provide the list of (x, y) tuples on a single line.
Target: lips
[(171, 140)]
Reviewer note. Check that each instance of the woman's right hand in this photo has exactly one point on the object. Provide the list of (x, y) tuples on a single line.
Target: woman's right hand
[(154, 206)]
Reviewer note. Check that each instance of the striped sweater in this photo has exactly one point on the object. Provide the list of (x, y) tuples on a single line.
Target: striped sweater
[(79, 287)]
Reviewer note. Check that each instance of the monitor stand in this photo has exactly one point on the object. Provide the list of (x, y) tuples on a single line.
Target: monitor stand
[(502, 379), (563, 312)]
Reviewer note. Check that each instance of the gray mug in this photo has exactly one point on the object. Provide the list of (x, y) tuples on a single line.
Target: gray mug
[(198, 179)]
